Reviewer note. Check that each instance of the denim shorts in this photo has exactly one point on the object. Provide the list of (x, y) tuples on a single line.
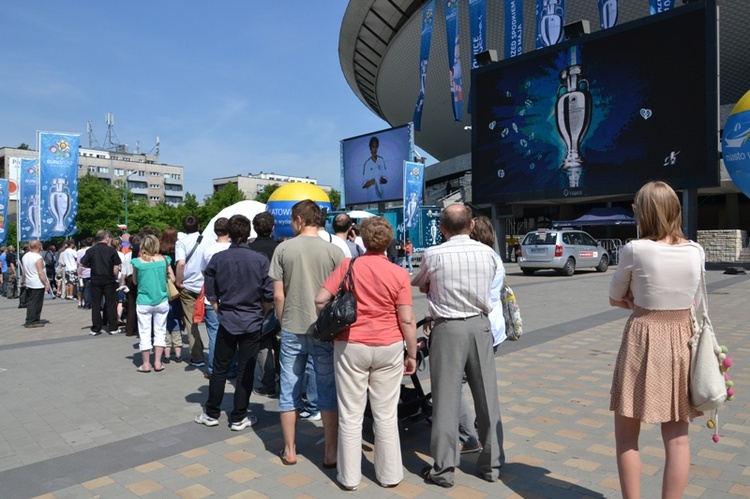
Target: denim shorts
[(295, 349)]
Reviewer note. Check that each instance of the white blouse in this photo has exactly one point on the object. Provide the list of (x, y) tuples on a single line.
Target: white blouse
[(661, 276)]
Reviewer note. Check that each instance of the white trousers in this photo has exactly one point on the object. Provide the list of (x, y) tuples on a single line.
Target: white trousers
[(159, 314), (378, 370)]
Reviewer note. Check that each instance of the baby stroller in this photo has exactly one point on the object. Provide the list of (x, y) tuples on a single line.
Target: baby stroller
[(414, 404)]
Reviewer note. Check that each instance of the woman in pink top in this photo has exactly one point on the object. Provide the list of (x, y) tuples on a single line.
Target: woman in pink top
[(370, 356), (657, 278)]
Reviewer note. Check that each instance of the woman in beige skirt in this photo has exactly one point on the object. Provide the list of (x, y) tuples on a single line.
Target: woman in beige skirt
[(657, 278)]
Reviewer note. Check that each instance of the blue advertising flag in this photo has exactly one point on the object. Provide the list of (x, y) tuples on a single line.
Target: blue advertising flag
[(477, 28), (550, 20), (608, 10), (513, 28), (413, 184), (454, 58), (28, 209), (428, 21), (656, 6), (3, 211), (58, 184)]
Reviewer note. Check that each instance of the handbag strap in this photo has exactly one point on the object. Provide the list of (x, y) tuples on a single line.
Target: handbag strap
[(347, 276), (197, 242)]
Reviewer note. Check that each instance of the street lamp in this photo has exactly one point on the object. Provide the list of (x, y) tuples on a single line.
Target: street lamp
[(127, 177)]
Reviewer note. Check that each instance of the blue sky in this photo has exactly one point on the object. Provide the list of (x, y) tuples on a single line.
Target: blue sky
[(230, 87)]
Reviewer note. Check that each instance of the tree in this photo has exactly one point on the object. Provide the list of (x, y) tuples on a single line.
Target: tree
[(335, 197), (24, 146), (99, 205), (219, 200), (263, 195)]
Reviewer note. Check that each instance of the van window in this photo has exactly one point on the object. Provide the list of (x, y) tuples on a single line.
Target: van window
[(549, 238)]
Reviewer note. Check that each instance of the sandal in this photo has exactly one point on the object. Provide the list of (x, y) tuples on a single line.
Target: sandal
[(282, 455), (140, 369)]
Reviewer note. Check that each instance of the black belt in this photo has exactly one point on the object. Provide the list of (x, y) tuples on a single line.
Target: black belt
[(446, 319)]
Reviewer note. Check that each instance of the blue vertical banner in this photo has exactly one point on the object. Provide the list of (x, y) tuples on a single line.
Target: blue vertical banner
[(428, 21), (550, 20), (513, 28), (58, 184), (608, 11), (28, 208), (657, 6), (477, 28), (413, 185), (454, 58), (3, 211)]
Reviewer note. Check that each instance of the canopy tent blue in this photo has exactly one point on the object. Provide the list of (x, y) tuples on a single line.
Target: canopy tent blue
[(599, 217)]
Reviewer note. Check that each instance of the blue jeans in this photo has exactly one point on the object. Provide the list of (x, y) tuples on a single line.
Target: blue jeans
[(212, 327), (295, 350), (408, 262)]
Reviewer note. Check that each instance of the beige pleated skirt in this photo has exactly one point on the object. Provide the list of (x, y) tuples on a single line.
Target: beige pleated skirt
[(650, 381)]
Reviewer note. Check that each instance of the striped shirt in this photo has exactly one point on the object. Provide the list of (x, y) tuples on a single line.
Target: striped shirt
[(459, 273)]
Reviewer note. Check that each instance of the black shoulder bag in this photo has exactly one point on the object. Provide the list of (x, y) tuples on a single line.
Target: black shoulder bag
[(339, 313)]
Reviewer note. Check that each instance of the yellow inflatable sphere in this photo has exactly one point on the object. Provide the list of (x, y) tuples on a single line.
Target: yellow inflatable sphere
[(298, 191), (281, 201)]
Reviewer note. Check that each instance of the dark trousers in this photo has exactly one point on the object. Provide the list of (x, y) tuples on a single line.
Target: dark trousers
[(131, 319), (226, 344), (34, 305), (107, 290), (268, 360), (87, 292)]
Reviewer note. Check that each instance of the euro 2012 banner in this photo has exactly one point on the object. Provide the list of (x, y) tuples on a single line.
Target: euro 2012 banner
[(3, 211), (735, 144), (58, 184)]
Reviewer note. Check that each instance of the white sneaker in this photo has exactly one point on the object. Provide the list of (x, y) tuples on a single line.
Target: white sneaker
[(245, 423), (310, 416), (203, 418)]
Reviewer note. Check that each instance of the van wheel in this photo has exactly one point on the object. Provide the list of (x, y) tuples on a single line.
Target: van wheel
[(569, 268), (527, 271), (603, 264)]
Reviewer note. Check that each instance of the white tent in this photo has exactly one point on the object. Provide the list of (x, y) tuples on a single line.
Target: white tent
[(248, 208), (360, 214)]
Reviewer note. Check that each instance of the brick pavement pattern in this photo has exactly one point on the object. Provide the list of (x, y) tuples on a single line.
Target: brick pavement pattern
[(77, 420)]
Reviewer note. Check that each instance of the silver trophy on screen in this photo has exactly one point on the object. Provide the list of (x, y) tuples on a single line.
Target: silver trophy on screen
[(551, 22), (609, 13), (32, 213), (573, 117), (59, 203)]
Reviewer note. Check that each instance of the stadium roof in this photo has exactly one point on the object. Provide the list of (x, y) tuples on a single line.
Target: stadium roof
[(379, 46)]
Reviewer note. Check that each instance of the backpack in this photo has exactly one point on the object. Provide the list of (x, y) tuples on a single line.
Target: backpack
[(511, 314)]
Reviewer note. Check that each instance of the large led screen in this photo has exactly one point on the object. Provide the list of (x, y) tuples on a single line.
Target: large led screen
[(601, 115), (372, 165)]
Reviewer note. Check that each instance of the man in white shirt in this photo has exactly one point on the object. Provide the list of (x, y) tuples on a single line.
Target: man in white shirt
[(457, 276), (221, 229), (68, 259), (36, 283), (327, 236), (188, 254), (342, 226)]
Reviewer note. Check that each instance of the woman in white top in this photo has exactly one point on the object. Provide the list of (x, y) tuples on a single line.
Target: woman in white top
[(657, 278)]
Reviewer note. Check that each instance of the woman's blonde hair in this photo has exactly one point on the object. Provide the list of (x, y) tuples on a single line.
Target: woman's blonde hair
[(377, 234), (150, 245), (658, 213)]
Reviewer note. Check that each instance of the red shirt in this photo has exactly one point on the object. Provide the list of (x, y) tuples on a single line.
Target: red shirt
[(380, 287)]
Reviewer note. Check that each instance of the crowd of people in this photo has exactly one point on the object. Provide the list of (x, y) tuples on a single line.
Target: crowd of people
[(236, 284)]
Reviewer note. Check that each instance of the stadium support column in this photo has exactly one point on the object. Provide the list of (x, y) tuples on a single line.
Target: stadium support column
[(690, 213)]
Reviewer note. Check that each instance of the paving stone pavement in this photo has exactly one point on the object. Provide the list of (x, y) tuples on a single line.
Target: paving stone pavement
[(78, 421)]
